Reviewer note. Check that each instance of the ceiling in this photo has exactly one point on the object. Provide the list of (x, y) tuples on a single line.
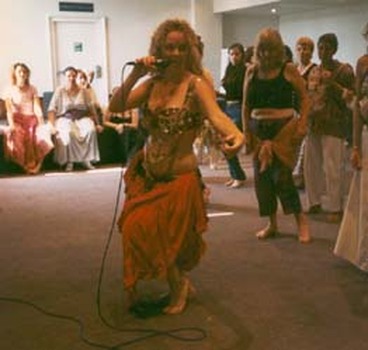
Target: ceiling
[(286, 7)]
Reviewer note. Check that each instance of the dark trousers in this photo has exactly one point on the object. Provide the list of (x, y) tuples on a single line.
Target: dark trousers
[(276, 182), (235, 169)]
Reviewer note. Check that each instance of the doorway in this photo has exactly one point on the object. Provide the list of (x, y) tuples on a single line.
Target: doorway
[(81, 43)]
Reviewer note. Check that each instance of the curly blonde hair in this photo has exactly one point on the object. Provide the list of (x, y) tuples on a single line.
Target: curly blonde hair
[(158, 38)]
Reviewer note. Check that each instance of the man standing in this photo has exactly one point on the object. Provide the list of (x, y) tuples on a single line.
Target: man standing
[(331, 88)]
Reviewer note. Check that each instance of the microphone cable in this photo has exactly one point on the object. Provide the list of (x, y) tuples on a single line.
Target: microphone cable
[(191, 334), (198, 334), (148, 333)]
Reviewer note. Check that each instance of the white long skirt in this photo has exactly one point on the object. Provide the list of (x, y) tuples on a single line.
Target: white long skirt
[(352, 240), (76, 141)]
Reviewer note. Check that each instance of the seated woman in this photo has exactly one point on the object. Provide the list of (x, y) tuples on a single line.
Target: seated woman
[(28, 139), (164, 215), (126, 126), (73, 118), (3, 119), (84, 82)]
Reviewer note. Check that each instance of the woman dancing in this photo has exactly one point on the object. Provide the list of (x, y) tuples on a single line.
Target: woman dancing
[(164, 215)]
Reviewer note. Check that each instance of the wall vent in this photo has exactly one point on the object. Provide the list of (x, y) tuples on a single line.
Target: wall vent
[(76, 6)]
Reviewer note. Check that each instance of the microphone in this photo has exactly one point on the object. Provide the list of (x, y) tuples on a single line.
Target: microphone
[(159, 63)]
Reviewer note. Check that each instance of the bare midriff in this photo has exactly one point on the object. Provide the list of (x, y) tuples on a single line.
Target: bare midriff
[(272, 113), (172, 154), (184, 164)]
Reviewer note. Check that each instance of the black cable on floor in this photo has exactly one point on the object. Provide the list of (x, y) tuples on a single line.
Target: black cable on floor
[(59, 316), (197, 334), (185, 334), (192, 333)]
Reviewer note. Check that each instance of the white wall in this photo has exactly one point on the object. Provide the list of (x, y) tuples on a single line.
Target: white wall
[(243, 29), (130, 25), (25, 33), (229, 5), (346, 23), (209, 26)]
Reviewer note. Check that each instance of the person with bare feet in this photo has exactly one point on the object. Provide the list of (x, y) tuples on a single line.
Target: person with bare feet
[(29, 138), (271, 88), (164, 215)]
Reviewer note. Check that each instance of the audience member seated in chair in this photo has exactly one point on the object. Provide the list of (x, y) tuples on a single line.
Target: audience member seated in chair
[(3, 119), (126, 127), (73, 119), (83, 82), (3, 127), (28, 139)]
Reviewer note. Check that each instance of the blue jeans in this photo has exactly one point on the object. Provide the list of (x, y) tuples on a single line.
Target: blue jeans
[(234, 113)]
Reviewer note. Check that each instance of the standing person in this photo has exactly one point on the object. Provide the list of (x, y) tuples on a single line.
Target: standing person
[(331, 87), (361, 105), (164, 215), (28, 140), (304, 48), (352, 240), (73, 117), (268, 112), (248, 56), (232, 82), (250, 140), (289, 54)]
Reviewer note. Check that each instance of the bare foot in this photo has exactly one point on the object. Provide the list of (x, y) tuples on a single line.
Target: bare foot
[(34, 170), (180, 298), (206, 194), (303, 228), (229, 182), (268, 232), (304, 234)]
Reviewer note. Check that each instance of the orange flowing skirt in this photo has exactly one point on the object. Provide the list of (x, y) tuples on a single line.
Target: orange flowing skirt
[(161, 224)]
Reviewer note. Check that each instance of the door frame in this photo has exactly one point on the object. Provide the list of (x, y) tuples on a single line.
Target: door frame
[(52, 23)]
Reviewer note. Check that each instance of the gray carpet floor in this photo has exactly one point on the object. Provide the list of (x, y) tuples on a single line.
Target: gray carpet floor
[(257, 295)]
